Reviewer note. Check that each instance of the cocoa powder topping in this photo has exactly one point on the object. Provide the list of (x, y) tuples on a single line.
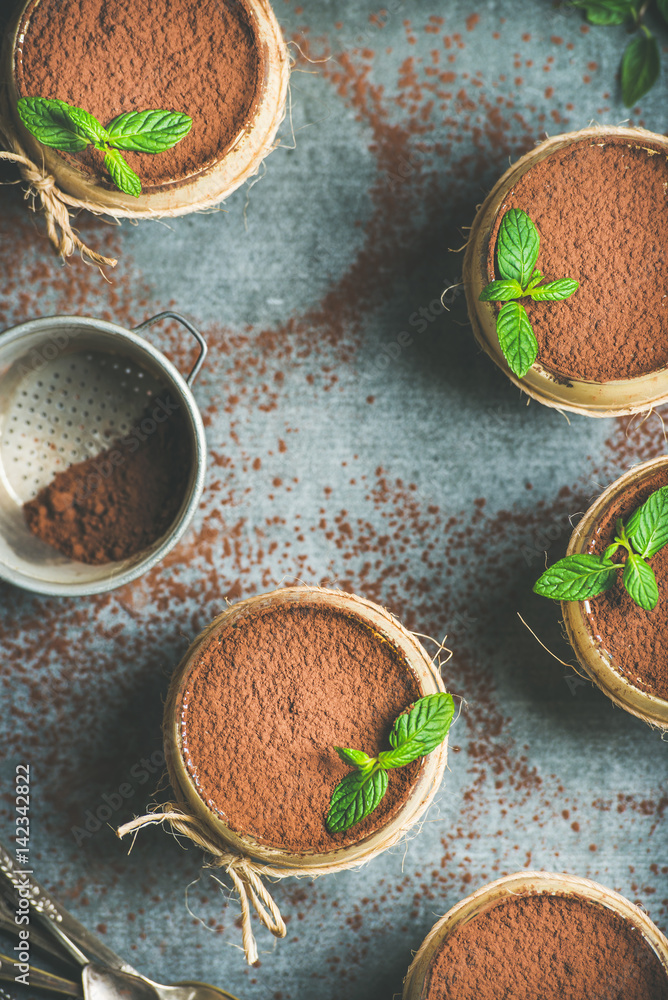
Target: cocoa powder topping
[(265, 704), (601, 209), (546, 947), (113, 56)]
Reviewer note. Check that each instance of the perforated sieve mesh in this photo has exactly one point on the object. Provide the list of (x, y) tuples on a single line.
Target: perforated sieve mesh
[(70, 410), (70, 387)]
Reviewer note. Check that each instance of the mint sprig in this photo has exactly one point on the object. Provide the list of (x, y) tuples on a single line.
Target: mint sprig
[(578, 577), (70, 129), (50, 122), (517, 249), (148, 131), (414, 734), (641, 62)]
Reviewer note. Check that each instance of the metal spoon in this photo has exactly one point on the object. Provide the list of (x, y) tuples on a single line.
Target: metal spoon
[(108, 984), (39, 979), (82, 946), (37, 938)]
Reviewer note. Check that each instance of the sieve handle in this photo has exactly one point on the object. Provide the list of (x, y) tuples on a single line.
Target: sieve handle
[(196, 334)]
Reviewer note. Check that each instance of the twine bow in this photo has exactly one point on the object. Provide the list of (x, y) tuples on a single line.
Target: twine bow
[(243, 871), (55, 204)]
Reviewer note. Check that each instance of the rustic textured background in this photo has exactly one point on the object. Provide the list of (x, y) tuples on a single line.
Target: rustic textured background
[(406, 468)]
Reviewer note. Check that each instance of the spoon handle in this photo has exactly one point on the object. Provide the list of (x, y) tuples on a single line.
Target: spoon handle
[(73, 937), (38, 979), (38, 939)]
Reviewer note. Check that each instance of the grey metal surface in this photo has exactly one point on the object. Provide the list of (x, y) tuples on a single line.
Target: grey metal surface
[(354, 433)]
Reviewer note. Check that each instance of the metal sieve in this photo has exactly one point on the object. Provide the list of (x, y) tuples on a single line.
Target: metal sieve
[(69, 387)]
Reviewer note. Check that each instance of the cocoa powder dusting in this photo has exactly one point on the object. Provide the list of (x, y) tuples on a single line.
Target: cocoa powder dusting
[(113, 56), (601, 212), (265, 706), (118, 503), (545, 947), (636, 640), (435, 113)]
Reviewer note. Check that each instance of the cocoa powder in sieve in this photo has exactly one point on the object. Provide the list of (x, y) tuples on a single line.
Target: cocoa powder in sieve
[(113, 56), (266, 703), (601, 209), (636, 640), (120, 502), (546, 947)]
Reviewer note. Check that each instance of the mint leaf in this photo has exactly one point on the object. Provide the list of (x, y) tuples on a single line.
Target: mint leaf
[(640, 67), (640, 582), (555, 291), (148, 131), (428, 721), (49, 122), (611, 549), (663, 8), (501, 291), (535, 278), (517, 246), (357, 795), (516, 338), (405, 753), (356, 758), (648, 527), (121, 174), (414, 734), (576, 578), (87, 124), (606, 11)]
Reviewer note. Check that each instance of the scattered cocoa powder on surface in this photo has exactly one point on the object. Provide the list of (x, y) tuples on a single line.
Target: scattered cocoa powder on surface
[(118, 503), (601, 209), (636, 640), (546, 947), (266, 703), (474, 126), (114, 56)]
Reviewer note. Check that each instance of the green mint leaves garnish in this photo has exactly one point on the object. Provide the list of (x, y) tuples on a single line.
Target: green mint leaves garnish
[(72, 130), (641, 65), (576, 578), (516, 338), (517, 247), (639, 582), (355, 797), (606, 11), (51, 124), (517, 250), (121, 173), (87, 125), (428, 721), (148, 131), (648, 527), (641, 62), (414, 734)]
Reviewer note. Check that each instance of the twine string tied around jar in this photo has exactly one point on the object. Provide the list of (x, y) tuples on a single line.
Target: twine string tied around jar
[(54, 202), (245, 873)]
